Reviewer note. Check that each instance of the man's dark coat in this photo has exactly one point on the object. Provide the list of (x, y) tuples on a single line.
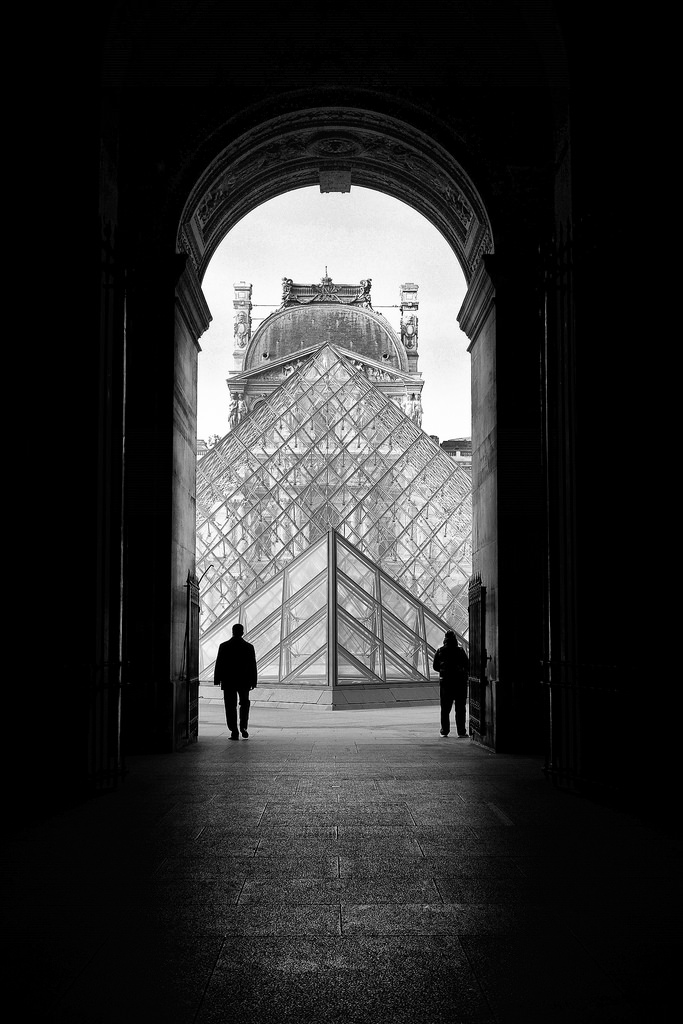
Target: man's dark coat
[(236, 665), (452, 664)]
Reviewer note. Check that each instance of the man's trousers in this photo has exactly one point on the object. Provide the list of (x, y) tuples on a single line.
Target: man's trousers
[(450, 694), (230, 700)]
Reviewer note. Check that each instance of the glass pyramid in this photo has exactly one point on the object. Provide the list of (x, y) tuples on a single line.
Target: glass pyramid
[(328, 451), (333, 618)]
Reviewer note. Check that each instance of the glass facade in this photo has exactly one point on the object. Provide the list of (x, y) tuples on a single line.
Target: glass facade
[(330, 453), (334, 618)]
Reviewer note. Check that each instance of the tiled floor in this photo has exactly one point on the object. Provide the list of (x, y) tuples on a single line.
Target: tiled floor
[(345, 867)]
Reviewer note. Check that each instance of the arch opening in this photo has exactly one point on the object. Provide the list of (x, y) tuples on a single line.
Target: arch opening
[(258, 534), (335, 148), (310, 234)]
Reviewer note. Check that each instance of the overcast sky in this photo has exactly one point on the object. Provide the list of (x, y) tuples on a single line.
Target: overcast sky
[(356, 235)]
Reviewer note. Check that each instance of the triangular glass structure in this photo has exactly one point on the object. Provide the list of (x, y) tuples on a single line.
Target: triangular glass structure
[(330, 451), (330, 619)]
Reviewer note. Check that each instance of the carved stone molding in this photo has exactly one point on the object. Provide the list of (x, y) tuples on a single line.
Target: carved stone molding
[(191, 304), (409, 331), (291, 151), (327, 291), (477, 304), (334, 147)]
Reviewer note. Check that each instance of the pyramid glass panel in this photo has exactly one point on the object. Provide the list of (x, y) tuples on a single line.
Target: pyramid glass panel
[(399, 670), (315, 669), (307, 567), (351, 671), (357, 604), (268, 635), (269, 668), (305, 604), (407, 644), (357, 570), (262, 604), (399, 605), (328, 451), (301, 646), (363, 644)]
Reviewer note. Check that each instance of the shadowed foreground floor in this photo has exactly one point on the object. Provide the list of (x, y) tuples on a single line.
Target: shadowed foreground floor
[(341, 867)]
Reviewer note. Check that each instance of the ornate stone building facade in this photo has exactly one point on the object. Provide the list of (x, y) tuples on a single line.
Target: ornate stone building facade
[(339, 314)]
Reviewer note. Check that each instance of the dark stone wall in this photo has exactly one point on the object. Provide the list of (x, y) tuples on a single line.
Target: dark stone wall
[(118, 163)]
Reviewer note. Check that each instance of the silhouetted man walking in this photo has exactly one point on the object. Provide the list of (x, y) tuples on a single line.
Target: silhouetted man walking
[(453, 666), (236, 672)]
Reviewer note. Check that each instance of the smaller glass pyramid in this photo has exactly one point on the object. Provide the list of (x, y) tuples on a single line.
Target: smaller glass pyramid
[(333, 618)]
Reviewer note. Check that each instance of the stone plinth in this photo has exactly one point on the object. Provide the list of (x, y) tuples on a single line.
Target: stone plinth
[(341, 698)]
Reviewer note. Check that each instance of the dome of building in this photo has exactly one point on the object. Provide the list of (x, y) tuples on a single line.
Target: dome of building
[(312, 315), (315, 315)]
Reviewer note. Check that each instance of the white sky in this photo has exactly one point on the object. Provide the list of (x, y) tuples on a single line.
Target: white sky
[(356, 235)]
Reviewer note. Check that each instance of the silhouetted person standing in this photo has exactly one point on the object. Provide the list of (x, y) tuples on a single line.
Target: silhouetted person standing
[(453, 666), (236, 672)]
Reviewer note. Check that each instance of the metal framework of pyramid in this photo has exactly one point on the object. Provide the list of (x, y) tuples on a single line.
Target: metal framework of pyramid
[(327, 452), (333, 619)]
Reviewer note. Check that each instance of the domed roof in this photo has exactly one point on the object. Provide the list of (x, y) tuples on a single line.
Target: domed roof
[(312, 315)]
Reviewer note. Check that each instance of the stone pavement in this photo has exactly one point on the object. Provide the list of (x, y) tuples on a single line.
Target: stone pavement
[(344, 867)]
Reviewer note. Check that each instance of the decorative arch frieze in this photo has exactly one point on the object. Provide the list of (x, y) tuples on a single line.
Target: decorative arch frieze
[(344, 146)]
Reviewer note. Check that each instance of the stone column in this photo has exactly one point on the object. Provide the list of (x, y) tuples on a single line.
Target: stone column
[(500, 317), (166, 315), (477, 320), (192, 318), (409, 307), (242, 329)]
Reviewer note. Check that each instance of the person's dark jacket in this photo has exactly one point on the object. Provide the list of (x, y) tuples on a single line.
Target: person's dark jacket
[(452, 664), (236, 665)]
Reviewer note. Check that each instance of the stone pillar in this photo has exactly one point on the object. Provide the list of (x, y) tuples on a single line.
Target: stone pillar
[(242, 305), (477, 320), (166, 315), (192, 318), (500, 317)]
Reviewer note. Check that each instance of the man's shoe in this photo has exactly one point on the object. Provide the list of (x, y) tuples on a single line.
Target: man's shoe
[(234, 735), (245, 734), (462, 735), (444, 734)]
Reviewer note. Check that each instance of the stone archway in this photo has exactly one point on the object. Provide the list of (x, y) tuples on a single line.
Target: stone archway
[(337, 148), (267, 149)]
